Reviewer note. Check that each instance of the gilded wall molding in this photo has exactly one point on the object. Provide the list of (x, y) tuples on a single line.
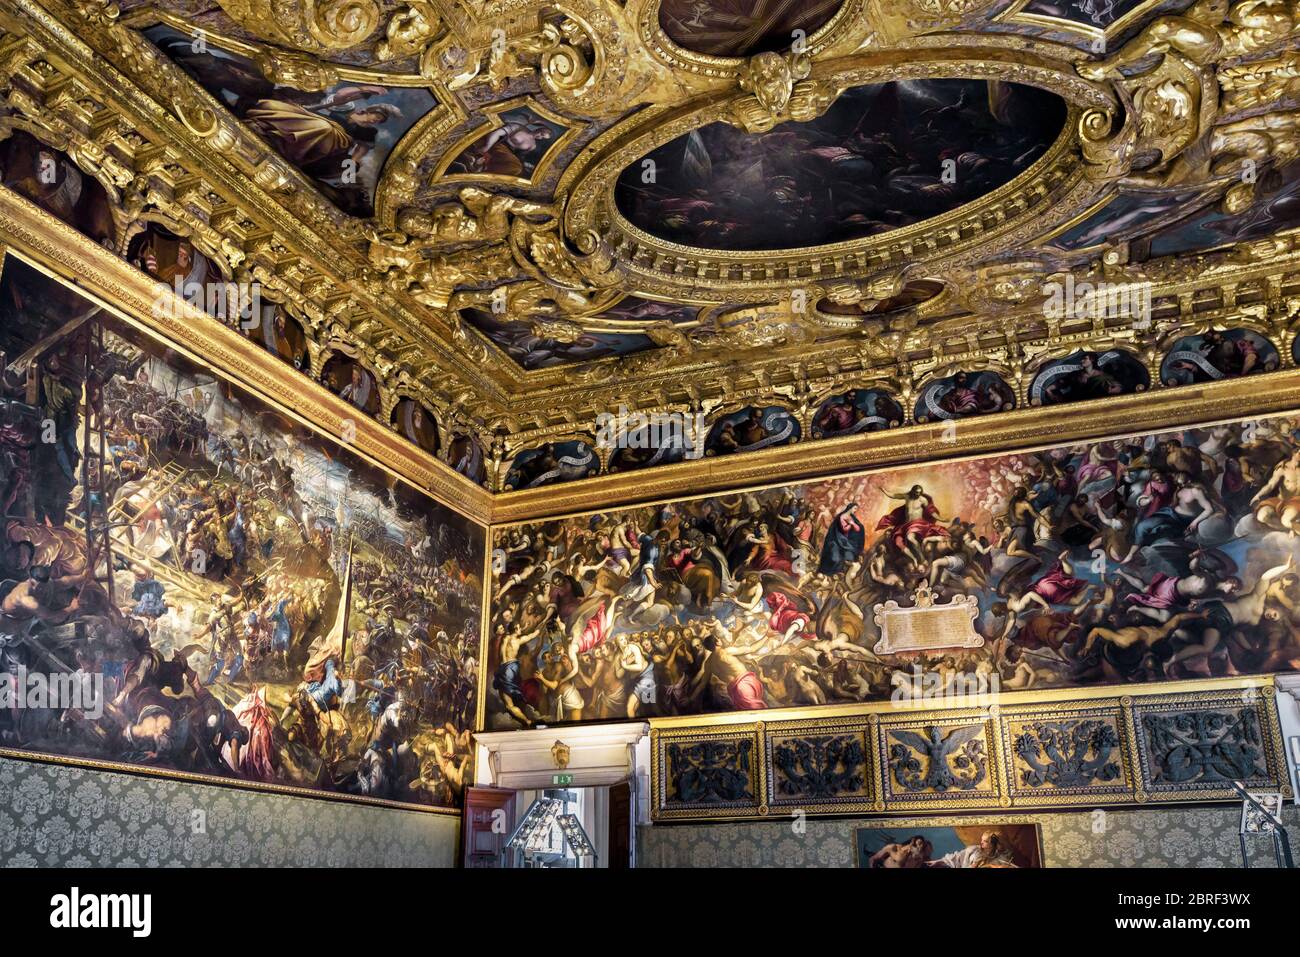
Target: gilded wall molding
[(1022, 430), (1183, 741)]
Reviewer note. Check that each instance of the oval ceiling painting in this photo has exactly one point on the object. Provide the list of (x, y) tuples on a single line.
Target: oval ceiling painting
[(883, 156)]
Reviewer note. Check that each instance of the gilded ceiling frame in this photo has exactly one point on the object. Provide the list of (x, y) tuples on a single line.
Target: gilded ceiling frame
[(493, 116), (65, 253), (98, 89)]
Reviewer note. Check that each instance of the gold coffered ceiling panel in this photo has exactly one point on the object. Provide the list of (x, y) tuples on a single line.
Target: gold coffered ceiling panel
[(428, 195)]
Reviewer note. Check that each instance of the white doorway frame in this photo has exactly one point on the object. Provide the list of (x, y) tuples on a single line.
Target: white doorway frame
[(598, 756)]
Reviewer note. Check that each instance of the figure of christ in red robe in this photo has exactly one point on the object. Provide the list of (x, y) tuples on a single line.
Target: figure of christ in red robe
[(913, 522), (770, 553)]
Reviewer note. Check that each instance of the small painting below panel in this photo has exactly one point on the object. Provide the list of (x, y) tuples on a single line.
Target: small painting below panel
[(950, 843)]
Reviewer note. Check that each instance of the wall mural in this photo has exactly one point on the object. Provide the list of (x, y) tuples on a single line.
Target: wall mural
[(255, 602), (1132, 560), (883, 156), (339, 137)]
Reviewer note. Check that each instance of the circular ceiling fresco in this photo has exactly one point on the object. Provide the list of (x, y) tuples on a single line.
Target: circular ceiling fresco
[(883, 156)]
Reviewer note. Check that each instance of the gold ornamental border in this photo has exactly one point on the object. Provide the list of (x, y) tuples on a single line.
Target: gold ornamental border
[(989, 795), (758, 773), (1118, 705), (1075, 795), (1024, 430)]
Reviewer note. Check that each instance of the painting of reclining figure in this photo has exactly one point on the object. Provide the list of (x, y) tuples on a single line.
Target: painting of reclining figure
[(192, 582), (1139, 559), (960, 844)]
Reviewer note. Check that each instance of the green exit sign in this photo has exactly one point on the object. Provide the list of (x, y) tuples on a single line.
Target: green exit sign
[(561, 778)]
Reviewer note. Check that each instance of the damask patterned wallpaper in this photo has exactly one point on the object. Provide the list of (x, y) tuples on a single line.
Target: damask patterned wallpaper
[(1166, 837), (52, 815)]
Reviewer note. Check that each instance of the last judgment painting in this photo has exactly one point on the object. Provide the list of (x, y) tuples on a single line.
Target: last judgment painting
[(237, 597), (1140, 559)]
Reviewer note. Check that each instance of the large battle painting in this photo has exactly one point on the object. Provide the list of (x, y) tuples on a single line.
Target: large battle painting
[(244, 599), (1169, 556), (882, 157)]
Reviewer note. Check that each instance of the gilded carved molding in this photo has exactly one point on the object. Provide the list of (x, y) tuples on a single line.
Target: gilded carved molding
[(1187, 741), (1182, 106)]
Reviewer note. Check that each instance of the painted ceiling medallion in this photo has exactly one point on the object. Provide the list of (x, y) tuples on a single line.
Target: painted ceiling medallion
[(882, 157)]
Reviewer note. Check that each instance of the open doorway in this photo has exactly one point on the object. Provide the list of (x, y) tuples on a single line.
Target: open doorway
[(558, 827)]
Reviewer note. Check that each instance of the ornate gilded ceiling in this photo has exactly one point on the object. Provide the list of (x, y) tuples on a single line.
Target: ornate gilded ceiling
[(490, 225)]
